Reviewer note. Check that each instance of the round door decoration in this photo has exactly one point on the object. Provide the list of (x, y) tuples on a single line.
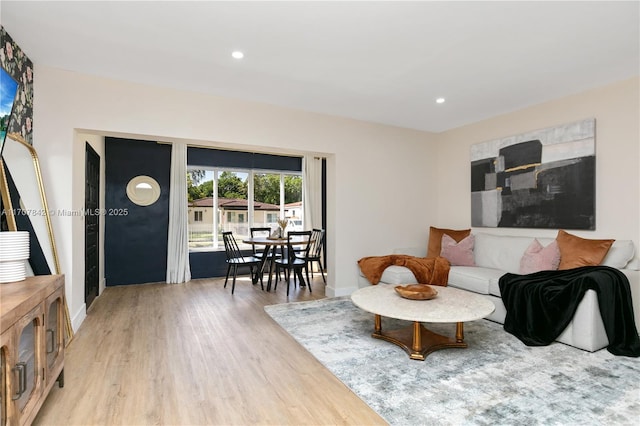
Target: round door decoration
[(143, 190)]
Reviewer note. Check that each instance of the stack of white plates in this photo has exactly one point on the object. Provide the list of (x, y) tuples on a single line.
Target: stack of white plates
[(14, 251)]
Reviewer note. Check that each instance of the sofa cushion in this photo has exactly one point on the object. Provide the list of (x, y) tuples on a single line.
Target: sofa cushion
[(458, 254), (473, 278), (538, 258), (620, 254), (500, 251), (576, 251), (398, 275), (435, 238), (494, 286)]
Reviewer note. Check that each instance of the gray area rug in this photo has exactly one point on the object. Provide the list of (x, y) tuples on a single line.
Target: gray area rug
[(497, 380)]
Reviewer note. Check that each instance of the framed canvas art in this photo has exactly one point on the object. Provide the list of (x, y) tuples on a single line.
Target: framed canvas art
[(540, 179), (8, 91)]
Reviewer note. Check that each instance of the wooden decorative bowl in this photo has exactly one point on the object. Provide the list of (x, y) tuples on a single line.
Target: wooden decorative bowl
[(416, 291)]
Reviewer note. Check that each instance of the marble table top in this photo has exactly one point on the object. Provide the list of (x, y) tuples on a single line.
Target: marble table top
[(450, 305)]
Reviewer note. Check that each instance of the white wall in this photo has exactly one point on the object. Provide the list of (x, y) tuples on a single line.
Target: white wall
[(616, 109), (381, 179), (386, 185)]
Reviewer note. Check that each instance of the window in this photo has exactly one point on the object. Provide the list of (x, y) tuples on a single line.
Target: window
[(200, 200), (266, 199), (293, 209), (233, 200)]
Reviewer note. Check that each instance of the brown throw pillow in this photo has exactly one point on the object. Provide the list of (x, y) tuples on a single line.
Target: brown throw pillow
[(576, 251), (435, 238)]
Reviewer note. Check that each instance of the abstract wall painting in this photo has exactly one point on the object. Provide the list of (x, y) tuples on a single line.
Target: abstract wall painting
[(540, 179)]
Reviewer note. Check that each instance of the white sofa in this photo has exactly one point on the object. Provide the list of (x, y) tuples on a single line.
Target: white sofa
[(496, 255)]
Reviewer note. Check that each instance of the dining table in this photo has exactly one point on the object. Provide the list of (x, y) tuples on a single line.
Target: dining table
[(271, 245)]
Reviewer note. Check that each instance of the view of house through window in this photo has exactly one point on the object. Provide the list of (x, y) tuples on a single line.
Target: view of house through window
[(234, 200)]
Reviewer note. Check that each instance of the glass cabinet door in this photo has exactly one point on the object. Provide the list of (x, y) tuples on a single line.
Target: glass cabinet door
[(26, 365), (26, 380), (3, 386), (5, 340), (53, 341)]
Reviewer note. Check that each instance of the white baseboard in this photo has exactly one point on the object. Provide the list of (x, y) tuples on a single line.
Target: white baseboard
[(78, 318), (331, 291)]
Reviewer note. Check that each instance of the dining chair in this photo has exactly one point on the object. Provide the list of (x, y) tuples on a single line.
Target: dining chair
[(235, 259), (315, 252), (259, 232), (295, 260), (263, 232)]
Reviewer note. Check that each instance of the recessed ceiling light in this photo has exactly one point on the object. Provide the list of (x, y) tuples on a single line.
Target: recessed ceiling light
[(237, 54), (440, 100)]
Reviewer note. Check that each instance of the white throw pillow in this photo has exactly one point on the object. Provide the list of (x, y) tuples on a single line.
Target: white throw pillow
[(619, 255), (500, 251)]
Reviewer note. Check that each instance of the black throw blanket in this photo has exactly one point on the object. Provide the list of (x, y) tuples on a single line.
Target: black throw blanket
[(541, 305)]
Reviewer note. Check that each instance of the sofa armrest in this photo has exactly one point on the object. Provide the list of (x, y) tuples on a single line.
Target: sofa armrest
[(634, 283), (634, 264)]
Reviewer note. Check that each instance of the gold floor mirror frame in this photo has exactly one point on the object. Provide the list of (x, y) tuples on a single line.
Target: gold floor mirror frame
[(11, 222)]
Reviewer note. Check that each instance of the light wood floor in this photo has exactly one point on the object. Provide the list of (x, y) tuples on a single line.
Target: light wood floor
[(193, 354)]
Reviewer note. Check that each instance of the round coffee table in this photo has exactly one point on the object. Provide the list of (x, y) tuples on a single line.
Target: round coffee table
[(449, 306)]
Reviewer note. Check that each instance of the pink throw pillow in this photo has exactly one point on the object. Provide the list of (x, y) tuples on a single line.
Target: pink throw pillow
[(537, 258), (458, 254)]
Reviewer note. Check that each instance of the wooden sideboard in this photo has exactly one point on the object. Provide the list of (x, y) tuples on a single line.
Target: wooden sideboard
[(31, 345)]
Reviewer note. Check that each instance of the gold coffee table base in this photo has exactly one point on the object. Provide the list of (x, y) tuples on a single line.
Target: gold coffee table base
[(417, 340)]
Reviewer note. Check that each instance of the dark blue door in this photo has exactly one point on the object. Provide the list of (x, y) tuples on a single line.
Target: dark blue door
[(135, 236)]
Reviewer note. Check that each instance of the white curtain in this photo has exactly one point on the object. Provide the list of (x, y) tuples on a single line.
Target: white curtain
[(312, 191), (178, 270)]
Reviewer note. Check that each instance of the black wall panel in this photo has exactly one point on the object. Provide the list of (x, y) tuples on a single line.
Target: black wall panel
[(135, 236)]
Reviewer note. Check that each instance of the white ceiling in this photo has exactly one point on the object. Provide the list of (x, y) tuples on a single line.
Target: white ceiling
[(383, 62)]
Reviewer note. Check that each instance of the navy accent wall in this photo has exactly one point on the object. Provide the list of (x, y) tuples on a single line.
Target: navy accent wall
[(135, 236), (324, 210), (221, 158), (207, 264)]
